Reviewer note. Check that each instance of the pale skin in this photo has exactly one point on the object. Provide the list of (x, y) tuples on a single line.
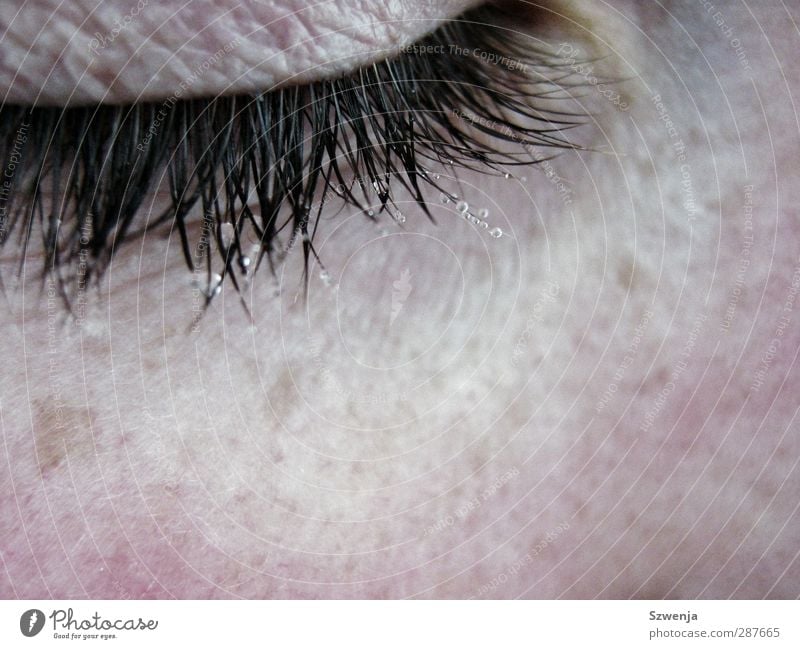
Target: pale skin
[(599, 403)]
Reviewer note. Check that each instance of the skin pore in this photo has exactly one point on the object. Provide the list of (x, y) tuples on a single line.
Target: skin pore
[(598, 403)]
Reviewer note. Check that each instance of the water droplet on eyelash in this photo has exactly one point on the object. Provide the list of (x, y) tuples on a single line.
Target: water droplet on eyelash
[(445, 199), (325, 276), (436, 176), (400, 217), (213, 288), (483, 213), (506, 176), (244, 263), (226, 233), (370, 213), (462, 206), (484, 224), (496, 233), (474, 219)]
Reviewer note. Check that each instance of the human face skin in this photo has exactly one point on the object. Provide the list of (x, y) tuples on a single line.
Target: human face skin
[(600, 403), (116, 51)]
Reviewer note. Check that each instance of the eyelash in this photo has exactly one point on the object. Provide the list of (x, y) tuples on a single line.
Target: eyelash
[(291, 146)]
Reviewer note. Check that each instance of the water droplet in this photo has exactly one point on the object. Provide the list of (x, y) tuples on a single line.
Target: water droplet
[(496, 233), (506, 175), (474, 220), (483, 213), (400, 217), (436, 176), (226, 234), (325, 276), (484, 224), (244, 263), (214, 286), (445, 199), (370, 213), (462, 206)]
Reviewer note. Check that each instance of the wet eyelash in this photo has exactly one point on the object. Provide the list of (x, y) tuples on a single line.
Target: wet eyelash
[(465, 96)]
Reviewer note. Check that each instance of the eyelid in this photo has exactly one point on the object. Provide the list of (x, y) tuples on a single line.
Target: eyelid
[(83, 52), (388, 124)]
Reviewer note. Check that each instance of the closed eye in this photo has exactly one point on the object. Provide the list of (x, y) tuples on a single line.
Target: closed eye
[(259, 167)]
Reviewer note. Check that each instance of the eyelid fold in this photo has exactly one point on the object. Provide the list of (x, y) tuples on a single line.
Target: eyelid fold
[(85, 52), (292, 150)]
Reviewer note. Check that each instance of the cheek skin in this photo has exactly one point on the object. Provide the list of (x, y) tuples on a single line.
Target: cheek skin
[(559, 412)]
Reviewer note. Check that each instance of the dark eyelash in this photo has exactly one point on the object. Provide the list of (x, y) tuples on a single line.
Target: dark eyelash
[(292, 147)]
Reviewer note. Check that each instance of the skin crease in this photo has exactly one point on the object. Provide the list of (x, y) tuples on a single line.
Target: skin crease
[(117, 51), (593, 405)]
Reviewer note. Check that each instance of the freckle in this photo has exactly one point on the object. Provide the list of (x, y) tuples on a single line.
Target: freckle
[(656, 380), (60, 431), (627, 274)]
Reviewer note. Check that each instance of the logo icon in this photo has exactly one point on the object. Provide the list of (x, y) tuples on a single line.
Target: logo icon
[(31, 622), (401, 290)]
